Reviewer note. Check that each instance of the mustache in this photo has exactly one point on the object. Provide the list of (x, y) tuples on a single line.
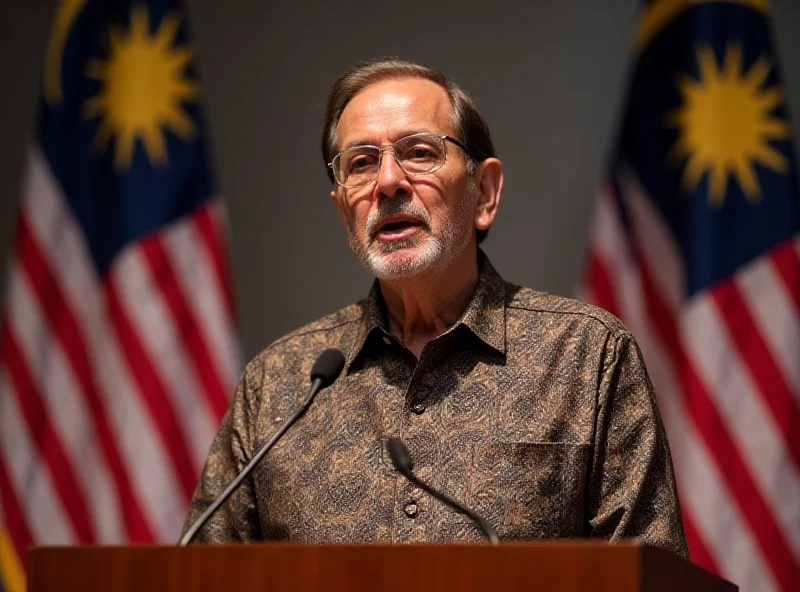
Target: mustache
[(395, 207)]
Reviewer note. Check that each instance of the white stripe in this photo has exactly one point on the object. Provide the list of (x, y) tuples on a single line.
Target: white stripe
[(654, 241), (146, 461), (704, 496), (144, 304), (29, 474), (776, 315), (743, 411), (196, 276), (70, 416)]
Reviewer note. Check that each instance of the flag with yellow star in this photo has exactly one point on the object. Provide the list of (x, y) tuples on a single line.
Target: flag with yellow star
[(695, 246), (118, 343)]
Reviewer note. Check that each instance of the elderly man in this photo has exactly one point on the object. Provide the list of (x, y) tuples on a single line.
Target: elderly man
[(534, 410)]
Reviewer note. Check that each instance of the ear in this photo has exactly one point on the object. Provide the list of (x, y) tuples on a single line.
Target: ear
[(489, 180), (337, 197)]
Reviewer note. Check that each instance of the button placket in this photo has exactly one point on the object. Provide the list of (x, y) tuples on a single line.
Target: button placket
[(418, 399), (412, 522), (411, 509), (411, 513)]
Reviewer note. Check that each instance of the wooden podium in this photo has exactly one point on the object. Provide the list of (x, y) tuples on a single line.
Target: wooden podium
[(552, 566)]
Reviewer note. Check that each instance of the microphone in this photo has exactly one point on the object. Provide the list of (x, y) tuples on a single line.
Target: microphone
[(324, 373), (402, 462)]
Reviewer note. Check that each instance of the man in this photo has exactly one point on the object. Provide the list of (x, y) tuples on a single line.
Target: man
[(534, 410)]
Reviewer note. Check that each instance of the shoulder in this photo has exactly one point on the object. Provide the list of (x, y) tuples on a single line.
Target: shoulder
[(539, 306), (296, 350), (332, 323)]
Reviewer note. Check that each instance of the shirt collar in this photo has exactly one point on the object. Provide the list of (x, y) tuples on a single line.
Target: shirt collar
[(485, 315)]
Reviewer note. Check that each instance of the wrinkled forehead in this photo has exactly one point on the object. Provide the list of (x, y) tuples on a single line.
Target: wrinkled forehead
[(388, 110)]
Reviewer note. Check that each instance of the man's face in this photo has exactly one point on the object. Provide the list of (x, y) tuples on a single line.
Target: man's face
[(402, 225)]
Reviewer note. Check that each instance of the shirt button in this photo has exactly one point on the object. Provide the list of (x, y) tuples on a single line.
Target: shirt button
[(411, 509), (419, 408), (387, 341)]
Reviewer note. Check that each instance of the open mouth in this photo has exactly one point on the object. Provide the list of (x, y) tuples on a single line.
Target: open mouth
[(399, 228)]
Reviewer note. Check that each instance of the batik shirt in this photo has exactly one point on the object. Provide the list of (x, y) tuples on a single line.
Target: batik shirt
[(535, 411)]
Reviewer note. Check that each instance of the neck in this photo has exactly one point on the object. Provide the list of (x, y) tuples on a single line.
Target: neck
[(422, 307)]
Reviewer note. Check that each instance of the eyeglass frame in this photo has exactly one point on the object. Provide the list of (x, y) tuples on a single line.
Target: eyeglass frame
[(381, 150)]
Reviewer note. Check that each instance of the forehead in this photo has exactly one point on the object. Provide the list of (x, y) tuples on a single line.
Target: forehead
[(387, 110)]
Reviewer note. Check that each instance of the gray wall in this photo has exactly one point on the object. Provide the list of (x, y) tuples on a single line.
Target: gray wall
[(549, 76)]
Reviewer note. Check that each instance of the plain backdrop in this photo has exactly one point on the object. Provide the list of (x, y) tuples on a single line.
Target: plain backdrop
[(550, 77)]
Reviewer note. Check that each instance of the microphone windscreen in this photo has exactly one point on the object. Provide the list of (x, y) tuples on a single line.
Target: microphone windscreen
[(401, 459), (328, 366)]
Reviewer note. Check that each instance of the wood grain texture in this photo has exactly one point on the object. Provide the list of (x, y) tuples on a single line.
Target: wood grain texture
[(568, 567)]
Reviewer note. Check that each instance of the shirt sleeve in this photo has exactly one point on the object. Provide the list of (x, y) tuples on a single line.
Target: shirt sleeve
[(632, 482), (237, 519)]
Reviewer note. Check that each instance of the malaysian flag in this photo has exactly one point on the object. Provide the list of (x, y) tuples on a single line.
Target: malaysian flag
[(695, 245), (118, 348)]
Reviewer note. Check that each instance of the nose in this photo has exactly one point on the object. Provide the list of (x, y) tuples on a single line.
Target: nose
[(392, 180)]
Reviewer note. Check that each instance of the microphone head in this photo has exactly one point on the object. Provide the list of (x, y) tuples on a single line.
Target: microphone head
[(401, 459), (328, 366)]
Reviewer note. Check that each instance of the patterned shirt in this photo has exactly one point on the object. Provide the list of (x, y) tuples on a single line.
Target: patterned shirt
[(533, 410)]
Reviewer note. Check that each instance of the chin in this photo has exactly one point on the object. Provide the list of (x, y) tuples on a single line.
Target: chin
[(398, 261)]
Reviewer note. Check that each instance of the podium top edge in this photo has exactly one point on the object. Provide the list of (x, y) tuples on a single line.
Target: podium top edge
[(582, 543)]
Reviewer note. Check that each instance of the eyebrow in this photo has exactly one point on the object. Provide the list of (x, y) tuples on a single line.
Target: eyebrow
[(402, 134)]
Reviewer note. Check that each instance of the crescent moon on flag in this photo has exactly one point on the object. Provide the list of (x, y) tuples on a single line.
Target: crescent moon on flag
[(660, 13), (66, 15)]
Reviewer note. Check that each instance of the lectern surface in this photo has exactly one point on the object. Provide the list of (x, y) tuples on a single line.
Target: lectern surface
[(558, 567)]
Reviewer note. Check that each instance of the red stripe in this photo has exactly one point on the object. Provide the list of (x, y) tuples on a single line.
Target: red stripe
[(699, 552), (204, 364), (598, 280), (69, 334), (37, 418), (786, 262), (152, 391), (720, 443), (754, 353), (215, 247), (13, 517)]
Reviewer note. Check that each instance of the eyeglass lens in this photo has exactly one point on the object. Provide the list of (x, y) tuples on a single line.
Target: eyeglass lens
[(416, 155)]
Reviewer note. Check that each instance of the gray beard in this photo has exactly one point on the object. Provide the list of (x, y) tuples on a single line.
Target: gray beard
[(438, 251)]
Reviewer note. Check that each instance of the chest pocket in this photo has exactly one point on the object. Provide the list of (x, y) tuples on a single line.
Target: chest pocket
[(530, 490)]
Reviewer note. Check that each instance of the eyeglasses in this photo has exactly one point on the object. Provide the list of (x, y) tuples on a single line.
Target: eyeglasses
[(417, 154)]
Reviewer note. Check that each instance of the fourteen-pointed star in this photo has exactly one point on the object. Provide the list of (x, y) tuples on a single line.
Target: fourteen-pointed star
[(143, 88), (726, 124)]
